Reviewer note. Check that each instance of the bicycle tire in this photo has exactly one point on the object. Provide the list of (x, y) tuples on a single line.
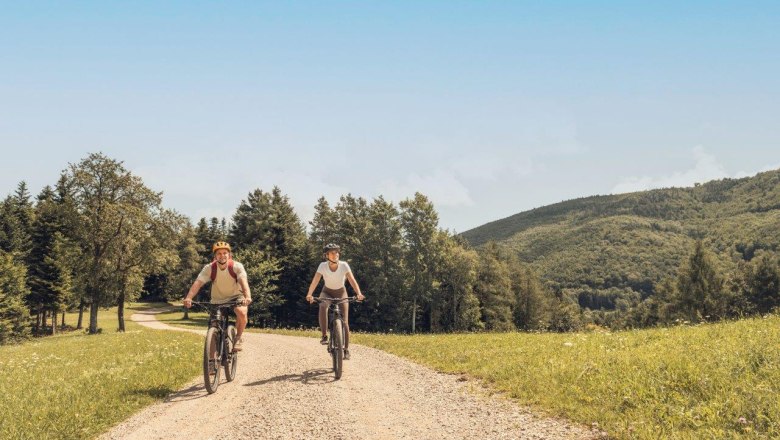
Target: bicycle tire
[(231, 357), (211, 375), (337, 335)]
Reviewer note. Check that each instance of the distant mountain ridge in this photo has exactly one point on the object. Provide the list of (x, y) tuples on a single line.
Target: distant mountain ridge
[(633, 240)]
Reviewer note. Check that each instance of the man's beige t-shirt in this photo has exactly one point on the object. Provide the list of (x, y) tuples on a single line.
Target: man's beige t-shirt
[(224, 288)]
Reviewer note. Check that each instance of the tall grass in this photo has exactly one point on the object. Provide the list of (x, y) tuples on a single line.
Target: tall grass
[(709, 381), (75, 386)]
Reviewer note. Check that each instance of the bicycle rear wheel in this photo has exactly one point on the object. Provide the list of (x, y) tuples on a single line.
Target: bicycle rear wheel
[(231, 357), (337, 336), (212, 353)]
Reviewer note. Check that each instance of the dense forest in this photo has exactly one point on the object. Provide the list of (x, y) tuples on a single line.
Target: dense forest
[(621, 258), (98, 237)]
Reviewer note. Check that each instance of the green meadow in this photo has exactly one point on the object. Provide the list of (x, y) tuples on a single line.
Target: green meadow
[(709, 381), (75, 386), (688, 382)]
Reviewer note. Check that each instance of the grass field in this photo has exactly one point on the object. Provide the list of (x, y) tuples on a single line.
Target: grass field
[(708, 381), (75, 386)]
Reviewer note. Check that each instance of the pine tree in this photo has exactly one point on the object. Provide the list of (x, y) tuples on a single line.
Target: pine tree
[(420, 224), (700, 288), (267, 222), (532, 307), (380, 266), (14, 321), (23, 210), (762, 283), (322, 227), (494, 289), (60, 287), (41, 273)]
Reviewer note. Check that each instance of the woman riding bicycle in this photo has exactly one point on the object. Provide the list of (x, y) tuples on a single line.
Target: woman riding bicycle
[(334, 272)]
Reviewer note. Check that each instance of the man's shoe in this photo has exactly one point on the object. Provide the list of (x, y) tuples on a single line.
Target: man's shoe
[(346, 355), (238, 346), (324, 340)]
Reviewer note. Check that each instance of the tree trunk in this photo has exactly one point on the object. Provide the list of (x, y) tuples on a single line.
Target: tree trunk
[(93, 314), (44, 322), (53, 322), (121, 311), (414, 313), (81, 315), (63, 319)]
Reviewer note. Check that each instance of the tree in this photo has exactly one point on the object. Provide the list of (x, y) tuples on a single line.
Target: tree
[(322, 227), (13, 236), (60, 286), (267, 222), (14, 322), (51, 261), (761, 283), (380, 269), (111, 204), (262, 275), (459, 306), (24, 212), (494, 289), (420, 223), (700, 288), (144, 247), (531, 309)]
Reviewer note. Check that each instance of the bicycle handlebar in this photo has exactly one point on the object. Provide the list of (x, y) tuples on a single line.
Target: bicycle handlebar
[(336, 300), (209, 305)]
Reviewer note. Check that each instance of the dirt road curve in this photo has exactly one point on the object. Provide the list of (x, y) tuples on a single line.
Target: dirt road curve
[(285, 389)]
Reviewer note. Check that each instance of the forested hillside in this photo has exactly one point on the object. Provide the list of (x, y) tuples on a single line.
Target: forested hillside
[(613, 251)]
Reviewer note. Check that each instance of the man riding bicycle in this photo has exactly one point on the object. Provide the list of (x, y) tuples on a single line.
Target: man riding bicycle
[(228, 283), (334, 272)]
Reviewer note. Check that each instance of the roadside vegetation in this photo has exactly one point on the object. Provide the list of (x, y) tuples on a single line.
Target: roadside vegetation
[(76, 386)]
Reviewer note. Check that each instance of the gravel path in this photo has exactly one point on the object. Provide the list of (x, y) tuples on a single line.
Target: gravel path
[(285, 389)]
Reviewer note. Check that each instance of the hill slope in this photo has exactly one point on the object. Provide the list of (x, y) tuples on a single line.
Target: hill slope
[(631, 241)]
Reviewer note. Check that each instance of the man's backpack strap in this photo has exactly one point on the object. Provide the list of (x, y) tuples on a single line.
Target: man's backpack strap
[(213, 271), (230, 270)]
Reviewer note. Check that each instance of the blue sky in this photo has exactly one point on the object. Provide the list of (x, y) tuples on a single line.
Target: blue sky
[(489, 108)]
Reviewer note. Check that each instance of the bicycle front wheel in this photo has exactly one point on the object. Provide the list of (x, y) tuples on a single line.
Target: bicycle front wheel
[(212, 354), (337, 336), (231, 357)]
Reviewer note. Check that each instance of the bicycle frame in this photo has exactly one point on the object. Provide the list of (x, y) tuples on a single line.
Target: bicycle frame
[(219, 355), (335, 322)]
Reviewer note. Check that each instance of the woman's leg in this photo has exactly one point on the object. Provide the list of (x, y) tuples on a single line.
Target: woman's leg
[(324, 318), (345, 315)]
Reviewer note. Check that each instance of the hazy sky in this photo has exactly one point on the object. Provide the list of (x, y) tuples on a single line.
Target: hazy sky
[(489, 108)]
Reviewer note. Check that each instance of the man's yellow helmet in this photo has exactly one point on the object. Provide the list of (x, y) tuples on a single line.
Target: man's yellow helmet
[(220, 245)]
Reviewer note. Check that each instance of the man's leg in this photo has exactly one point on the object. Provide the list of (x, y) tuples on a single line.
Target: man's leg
[(241, 320)]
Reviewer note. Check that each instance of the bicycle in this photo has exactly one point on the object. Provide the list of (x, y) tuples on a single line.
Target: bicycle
[(218, 347), (336, 330)]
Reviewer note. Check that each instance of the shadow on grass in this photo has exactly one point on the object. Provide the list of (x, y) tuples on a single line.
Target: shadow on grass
[(158, 392), (309, 377)]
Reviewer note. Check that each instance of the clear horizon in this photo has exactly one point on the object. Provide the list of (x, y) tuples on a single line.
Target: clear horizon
[(488, 108)]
